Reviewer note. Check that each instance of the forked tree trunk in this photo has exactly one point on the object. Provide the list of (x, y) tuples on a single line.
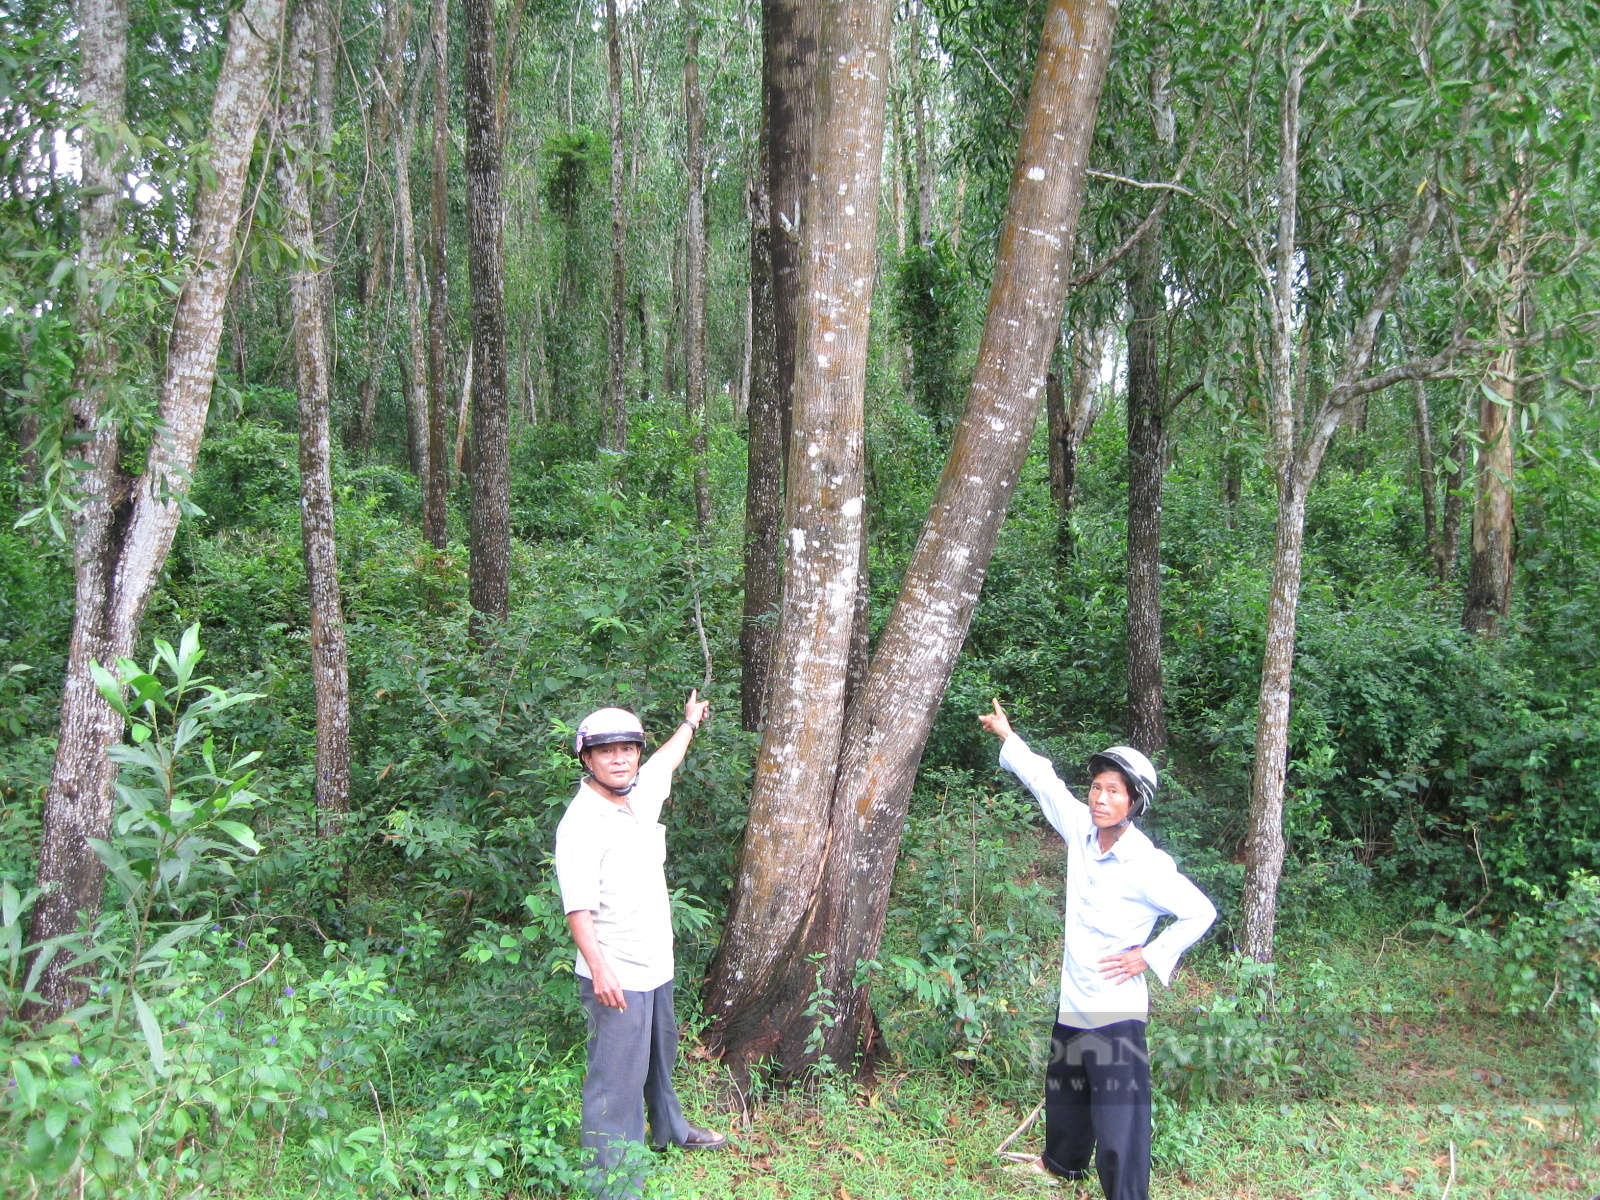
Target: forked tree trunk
[(436, 496), (616, 416), (1147, 718), (416, 333), (786, 838), (1299, 441), (763, 496), (491, 451), (125, 528), (298, 150), (694, 330), (832, 863)]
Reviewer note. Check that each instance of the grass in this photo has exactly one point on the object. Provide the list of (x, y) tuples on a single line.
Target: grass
[(1420, 1070)]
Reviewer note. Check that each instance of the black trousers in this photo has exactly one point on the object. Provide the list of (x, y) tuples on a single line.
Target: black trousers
[(1097, 1097)]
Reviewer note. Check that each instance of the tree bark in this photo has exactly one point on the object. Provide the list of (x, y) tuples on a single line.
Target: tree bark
[(787, 833), (1449, 545), (491, 452), (1296, 457), (694, 331), (616, 417), (922, 132), (436, 497), (763, 497), (767, 974), (1068, 423), (1425, 469), (416, 333), (299, 148), (1489, 569), (125, 528), (387, 75), (790, 29), (1147, 719)]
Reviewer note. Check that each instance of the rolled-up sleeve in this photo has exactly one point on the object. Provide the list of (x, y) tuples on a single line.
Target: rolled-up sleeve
[(1168, 890), (1060, 807), (578, 854)]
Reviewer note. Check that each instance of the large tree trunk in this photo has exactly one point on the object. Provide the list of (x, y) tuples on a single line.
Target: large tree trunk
[(694, 331), (416, 333), (125, 528), (491, 452), (1071, 412), (786, 837), (436, 496), (763, 497), (616, 416), (790, 31), (1147, 718), (766, 974), (329, 670)]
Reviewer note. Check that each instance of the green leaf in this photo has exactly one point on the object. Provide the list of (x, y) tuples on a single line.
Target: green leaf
[(152, 1038), (27, 1085), (242, 834), (116, 1139)]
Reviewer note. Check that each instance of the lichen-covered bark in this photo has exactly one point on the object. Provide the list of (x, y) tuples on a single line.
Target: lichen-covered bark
[(890, 716), (1147, 719), (490, 546), (119, 559), (616, 414), (787, 834), (694, 330), (436, 491), (307, 294)]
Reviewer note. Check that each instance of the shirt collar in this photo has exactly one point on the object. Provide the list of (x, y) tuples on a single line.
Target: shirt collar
[(1127, 847), (599, 803)]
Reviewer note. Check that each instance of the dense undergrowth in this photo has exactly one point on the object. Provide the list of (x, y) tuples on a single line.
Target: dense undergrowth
[(392, 1008)]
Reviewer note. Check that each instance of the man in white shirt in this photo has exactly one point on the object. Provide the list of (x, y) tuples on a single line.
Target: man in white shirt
[(1097, 1085), (610, 855)]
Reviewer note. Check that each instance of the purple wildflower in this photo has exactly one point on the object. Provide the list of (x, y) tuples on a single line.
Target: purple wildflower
[(288, 991), (273, 1040), (76, 1061)]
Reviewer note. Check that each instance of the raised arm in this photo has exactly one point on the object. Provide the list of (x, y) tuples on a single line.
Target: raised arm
[(670, 755), (1061, 808)]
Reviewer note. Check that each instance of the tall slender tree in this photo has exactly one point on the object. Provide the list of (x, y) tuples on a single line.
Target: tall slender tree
[(694, 328), (300, 148), (616, 416), (416, 374), (436, 496), (124, 528), (789, 31), (490, 547)]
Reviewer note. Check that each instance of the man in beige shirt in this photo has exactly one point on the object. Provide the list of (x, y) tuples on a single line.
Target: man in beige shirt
[(611, 852)]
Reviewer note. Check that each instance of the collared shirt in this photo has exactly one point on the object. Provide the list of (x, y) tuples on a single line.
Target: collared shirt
[(1114, 899), (610, 860)]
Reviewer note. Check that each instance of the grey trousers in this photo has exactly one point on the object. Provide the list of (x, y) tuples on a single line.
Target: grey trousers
[(631, 1056)]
